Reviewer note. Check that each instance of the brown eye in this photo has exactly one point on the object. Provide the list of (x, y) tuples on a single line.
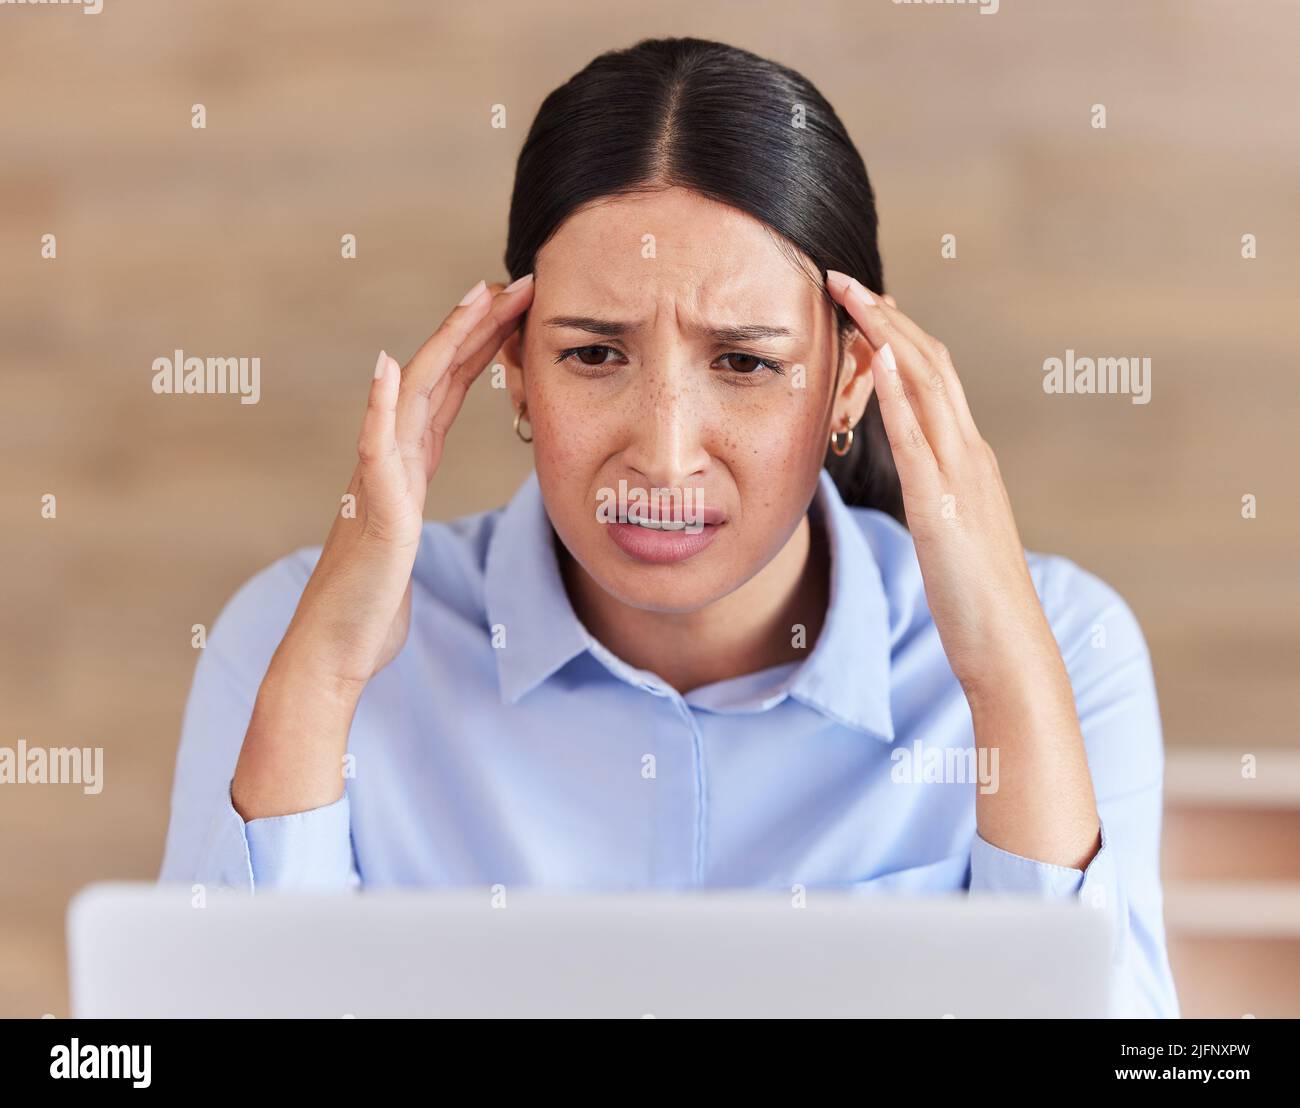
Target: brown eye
[(750, 365), (596, 352), (580, 358)]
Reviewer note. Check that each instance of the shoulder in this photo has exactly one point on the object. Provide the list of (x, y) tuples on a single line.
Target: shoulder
[(448, 573), (1111, 675), (1080, 606), (1100, 639), (253, 621), (1085, 612)]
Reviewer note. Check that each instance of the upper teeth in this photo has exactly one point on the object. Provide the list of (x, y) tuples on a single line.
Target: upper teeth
[(656, 524)]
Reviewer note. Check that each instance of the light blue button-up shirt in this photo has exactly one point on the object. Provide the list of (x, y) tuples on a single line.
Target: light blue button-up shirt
[(506, 745)]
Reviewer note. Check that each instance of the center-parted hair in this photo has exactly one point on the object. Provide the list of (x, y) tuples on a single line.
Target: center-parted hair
[(701, 115)]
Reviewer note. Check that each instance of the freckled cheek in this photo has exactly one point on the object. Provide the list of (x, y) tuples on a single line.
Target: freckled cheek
[(775, 438), (568, 433), (774, 466)]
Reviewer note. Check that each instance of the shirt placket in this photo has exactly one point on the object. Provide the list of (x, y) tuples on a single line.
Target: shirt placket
[(699, 793)]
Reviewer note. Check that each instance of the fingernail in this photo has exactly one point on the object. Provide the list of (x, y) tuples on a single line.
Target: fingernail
[(886, 357), (861, 290), (379, 365), (518, 284), (837, 281), (473, 294)]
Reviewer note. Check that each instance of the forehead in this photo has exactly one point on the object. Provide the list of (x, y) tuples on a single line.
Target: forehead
[(673, 245)]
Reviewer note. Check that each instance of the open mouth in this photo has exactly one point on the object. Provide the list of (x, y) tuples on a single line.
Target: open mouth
[(637, 519), (669, 516), (661, 541)]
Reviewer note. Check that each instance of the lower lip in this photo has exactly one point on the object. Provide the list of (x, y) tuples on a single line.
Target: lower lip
[(646, 544)]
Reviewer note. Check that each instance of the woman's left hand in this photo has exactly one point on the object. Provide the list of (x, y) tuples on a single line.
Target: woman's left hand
[(977, 582)]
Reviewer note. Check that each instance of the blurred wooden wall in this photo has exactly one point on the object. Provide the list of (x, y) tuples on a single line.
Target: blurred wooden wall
[(332, 118)]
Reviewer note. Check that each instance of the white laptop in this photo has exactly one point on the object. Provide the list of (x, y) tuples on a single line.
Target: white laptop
[(146, 950)]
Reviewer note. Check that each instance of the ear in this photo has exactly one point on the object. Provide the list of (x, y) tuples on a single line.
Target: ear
[(511, 356), (855, 383)]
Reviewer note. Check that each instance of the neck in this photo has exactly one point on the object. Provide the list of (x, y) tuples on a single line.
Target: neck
[(750, 629)]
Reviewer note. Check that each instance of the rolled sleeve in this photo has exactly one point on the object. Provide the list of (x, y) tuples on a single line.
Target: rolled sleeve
[(304, 851), (996, 870), (224, 859), (309, 850)]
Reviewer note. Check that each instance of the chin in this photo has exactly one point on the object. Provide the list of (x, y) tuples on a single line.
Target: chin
[(676, 586)]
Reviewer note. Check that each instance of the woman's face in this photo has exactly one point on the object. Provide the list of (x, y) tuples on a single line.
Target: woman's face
[(629, 391)]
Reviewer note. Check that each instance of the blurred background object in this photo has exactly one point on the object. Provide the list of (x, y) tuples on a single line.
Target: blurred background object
[(335, 119)]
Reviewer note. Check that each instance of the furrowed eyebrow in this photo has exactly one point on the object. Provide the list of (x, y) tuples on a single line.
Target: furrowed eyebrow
[(748, 332), (613, 329), (609, 329)]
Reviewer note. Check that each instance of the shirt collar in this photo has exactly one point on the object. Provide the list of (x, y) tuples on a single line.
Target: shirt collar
[(846, 677), (532, 622)]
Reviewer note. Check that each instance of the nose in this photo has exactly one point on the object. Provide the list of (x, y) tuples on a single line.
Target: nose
[(666, 432)]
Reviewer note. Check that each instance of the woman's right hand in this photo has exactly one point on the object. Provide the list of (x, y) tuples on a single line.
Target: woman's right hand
[(355, 610)]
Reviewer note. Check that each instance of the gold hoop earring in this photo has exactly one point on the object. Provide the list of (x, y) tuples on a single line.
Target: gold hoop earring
[(838, 450), (518, 416)]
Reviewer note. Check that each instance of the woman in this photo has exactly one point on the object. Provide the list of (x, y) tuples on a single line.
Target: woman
[(685, 653)]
